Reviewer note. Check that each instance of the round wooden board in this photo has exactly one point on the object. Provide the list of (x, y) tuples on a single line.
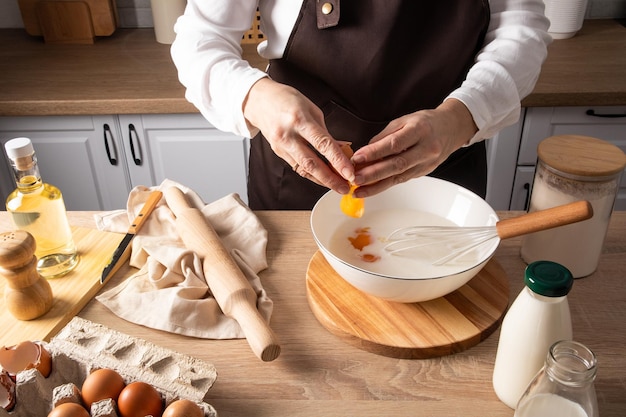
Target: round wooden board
[(429, 329)]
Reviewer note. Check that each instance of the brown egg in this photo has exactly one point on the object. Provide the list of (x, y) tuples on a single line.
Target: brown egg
[(183, 408), (69, 410), (100, 385), (139, 399)]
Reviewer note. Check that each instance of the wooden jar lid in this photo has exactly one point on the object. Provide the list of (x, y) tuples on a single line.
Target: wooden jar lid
[(582, 156)]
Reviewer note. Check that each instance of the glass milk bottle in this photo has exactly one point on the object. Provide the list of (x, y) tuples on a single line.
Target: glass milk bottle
[(538, 317), (38, 208), (572, 168), (564, 387)]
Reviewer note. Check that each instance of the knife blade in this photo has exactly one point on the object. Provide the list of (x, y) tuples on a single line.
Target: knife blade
[(121, 254)]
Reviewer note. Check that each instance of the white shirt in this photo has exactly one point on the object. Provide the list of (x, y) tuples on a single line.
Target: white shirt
[(207, 54)]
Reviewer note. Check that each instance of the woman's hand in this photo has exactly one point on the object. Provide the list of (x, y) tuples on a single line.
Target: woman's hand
[(412, 146), (295, 128)]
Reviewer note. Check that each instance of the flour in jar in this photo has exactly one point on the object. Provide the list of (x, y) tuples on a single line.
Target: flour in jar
[(360, 243), (576, 246)]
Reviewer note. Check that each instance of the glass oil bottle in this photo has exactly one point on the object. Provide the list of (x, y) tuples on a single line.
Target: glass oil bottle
[(38, 208)]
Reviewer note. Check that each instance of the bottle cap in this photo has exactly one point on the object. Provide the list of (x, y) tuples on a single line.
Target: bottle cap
[(19, 148), (548, 278)]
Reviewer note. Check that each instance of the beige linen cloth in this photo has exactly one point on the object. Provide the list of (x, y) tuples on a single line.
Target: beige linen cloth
[(170, 292)]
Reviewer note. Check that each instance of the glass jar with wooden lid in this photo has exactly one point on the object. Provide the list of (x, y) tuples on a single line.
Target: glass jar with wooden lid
[(572, 168)]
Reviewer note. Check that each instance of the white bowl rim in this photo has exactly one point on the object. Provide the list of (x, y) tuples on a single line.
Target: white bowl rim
[(325, 252), (489, 254)]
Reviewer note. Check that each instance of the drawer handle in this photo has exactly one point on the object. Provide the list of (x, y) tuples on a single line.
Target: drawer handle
[(592, 112), (133, 138), (109, 145)]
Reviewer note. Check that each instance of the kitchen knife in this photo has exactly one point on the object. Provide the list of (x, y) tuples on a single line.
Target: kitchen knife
[(121, 254)]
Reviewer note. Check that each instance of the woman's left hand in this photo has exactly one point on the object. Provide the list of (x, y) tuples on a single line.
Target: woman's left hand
[(412, 146)]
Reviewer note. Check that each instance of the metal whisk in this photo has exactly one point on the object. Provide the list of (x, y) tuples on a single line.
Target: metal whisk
[(461, 240)]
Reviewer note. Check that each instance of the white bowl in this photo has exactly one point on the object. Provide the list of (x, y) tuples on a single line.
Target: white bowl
[(422, 201)]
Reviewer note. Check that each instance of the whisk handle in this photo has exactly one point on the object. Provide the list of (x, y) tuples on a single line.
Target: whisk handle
[(544, 219)]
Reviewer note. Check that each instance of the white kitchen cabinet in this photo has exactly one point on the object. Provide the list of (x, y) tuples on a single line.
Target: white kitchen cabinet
[(507, 153), (97, 160), (502, 164), (187, 149), (72, 155)]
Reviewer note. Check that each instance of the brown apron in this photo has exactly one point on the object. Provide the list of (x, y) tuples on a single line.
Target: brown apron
[(364, 64)]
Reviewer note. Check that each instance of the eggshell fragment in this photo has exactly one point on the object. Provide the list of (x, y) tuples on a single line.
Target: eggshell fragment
[(26, 355), (7, 391), (349, 204)]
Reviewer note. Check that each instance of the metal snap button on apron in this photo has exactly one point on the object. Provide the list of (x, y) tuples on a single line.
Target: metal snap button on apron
[(327, 8)]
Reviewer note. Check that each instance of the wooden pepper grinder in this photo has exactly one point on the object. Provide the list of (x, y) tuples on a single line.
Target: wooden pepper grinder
[(27, 294)]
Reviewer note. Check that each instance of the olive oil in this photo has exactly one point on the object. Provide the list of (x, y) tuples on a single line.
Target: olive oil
[(38, 208)]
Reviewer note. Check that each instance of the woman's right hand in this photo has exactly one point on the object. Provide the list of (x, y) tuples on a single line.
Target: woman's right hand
[(294, 127)]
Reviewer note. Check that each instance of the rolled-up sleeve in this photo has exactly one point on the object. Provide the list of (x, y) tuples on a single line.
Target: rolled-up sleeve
[(507, 66), (207, 54)]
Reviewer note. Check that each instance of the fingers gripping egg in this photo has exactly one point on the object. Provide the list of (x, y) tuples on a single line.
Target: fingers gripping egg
[(349, 204)]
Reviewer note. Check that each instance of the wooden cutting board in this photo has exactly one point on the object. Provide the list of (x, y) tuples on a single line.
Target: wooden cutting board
[(71, 292), (65, 22), (429, 329), (63, 16)]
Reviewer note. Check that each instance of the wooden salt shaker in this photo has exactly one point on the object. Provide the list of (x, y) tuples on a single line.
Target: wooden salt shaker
[(27, 294)]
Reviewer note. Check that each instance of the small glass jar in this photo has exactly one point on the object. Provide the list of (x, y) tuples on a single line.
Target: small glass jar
[(572, 168), (565, 385)]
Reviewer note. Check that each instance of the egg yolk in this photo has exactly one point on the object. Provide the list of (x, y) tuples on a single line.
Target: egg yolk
[(360, 240), (352, 206)]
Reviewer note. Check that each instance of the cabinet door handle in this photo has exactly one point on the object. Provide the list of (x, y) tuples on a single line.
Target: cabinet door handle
[(592, 112), (135, 150), (109, 145)]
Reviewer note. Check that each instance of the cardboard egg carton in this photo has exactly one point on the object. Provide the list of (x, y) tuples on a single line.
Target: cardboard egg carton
[(83, 346)]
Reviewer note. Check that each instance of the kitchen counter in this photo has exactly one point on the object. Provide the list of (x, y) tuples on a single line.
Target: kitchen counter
[(317, 374), (130, 73)]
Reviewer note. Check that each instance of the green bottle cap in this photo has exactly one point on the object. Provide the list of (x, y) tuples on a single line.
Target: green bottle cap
[(548, 278)]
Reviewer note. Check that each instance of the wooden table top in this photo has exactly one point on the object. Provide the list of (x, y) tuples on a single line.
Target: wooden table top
[(319, 375), (130, 73)]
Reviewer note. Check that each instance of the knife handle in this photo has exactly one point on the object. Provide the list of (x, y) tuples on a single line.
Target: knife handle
[(149, 205), (229, 285)]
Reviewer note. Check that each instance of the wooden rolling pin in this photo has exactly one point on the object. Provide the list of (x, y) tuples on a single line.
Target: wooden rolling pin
[(229, 285)]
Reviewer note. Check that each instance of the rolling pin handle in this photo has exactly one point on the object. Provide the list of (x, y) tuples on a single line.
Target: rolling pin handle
[(260, 337)]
